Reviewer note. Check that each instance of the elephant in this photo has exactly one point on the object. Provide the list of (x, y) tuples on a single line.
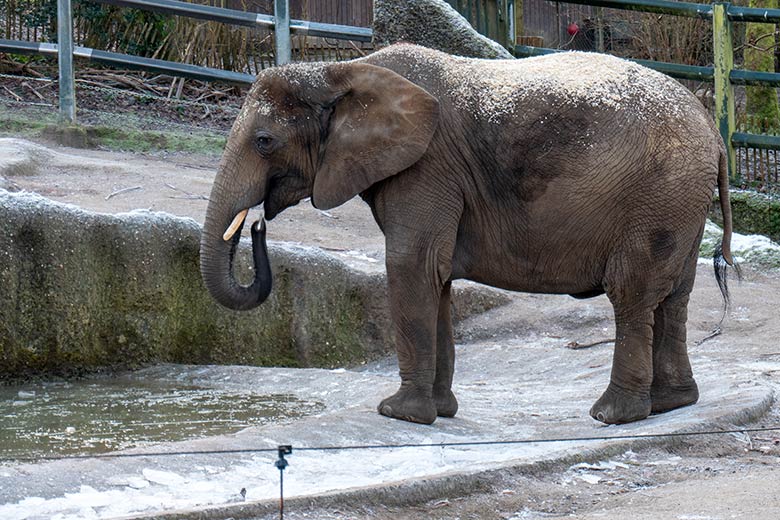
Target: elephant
[(571, 173)]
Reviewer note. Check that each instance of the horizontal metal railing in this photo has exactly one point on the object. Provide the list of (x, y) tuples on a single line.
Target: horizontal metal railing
[(675, 70), (282, 26), (233, 17), (131, 62)]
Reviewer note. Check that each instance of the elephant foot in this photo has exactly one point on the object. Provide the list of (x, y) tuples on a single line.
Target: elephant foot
[(444, 399), (410, 403), (669, 397), (617, 406)]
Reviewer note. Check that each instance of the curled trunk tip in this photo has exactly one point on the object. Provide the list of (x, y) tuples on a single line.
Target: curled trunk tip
[(217, 257)]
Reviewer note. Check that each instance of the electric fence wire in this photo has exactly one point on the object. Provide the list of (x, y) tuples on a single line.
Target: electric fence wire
[(357, 447)]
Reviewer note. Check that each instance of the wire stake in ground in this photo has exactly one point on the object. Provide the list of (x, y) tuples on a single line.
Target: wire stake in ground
[(282, 463)]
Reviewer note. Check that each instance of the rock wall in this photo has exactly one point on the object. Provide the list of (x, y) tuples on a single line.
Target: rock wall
[(431, 23), (83, 291)]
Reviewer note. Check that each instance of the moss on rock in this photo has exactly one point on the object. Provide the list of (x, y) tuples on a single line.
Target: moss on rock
[(85, 291)]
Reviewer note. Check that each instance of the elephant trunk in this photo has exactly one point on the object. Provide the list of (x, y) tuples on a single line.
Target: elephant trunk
[(216, 262)]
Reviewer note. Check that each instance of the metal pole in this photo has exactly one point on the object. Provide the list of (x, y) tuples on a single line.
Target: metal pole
[(65, 61), (723, 50), (282, 31)]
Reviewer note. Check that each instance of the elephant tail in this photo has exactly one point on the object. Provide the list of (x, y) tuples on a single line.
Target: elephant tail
[(722, 258)]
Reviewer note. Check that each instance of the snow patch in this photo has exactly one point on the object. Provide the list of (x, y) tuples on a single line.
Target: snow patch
[(755, 249), (140, 218)]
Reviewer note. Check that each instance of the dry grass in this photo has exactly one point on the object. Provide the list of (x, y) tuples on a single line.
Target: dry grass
[(668, 38)]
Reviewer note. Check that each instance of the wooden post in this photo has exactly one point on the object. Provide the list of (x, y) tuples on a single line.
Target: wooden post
[(283, 48), (599, 29), (723, 49), (65, 62), (519, 29)]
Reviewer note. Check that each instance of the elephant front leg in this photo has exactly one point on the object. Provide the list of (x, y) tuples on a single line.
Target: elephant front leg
[(446, 404), (414, 308)]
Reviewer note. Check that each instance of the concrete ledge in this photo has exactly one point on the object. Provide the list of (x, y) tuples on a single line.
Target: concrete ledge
[(83, 291)]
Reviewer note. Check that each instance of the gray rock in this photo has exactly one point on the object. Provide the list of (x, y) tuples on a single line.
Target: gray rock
[(434, 24)]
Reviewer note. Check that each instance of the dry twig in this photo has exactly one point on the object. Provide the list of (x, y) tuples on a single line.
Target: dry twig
[(37, 94), (577, 346), (187, 194), (123, 190), (14, 94)]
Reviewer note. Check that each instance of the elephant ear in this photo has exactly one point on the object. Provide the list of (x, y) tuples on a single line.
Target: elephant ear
[(380, 124)]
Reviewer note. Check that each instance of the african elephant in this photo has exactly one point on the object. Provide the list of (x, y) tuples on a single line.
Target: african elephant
[(571, 173)]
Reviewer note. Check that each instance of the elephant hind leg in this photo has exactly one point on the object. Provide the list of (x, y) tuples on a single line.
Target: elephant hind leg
[(673, 384), (627, 398), (634, 297)]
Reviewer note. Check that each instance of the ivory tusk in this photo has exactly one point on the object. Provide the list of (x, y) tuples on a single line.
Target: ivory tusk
[(237, 221)]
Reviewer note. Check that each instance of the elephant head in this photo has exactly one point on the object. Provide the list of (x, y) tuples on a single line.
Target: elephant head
[(325, 131)]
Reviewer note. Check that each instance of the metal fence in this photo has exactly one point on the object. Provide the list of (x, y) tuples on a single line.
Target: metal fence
[(722, 74), (280, 23), (752, 162), (140, 29)]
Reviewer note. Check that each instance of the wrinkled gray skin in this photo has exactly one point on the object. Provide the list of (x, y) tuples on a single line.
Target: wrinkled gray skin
[(473, 172)]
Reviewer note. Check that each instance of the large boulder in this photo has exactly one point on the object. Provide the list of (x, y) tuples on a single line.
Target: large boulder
[(83, 291), (434, 24)]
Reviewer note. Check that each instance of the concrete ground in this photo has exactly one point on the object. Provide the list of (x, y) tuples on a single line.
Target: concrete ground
[(516, 379)]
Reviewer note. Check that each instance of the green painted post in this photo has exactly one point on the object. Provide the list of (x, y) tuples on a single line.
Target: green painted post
[(723, 48)]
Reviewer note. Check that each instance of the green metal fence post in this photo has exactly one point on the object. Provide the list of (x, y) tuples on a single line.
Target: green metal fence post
[(723, 49), (282, 31), (65, 62)]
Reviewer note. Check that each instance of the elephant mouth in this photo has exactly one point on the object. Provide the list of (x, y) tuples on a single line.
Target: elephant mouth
[(238, 221)]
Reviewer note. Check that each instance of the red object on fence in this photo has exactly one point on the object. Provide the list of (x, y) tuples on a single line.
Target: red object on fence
[(573, 29)]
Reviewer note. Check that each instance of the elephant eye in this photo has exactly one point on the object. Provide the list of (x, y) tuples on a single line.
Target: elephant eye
[(265, 143)]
